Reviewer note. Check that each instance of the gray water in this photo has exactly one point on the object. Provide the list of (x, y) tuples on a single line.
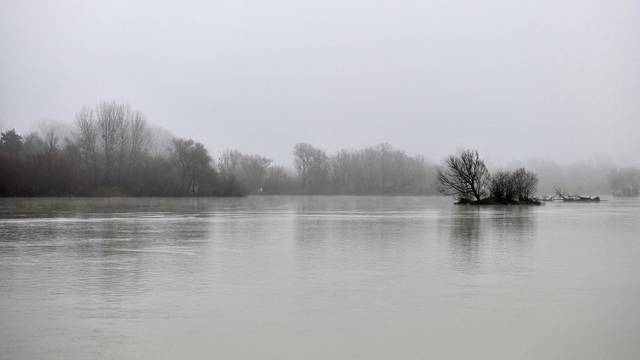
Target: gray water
[(317, 278)]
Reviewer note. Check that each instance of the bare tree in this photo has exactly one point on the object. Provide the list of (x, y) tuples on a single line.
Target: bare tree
[(87, 140), (502, 185), (51, 138), (250, 170), (160, 142), (342, 167), (139, 138), (254, 168), (194, 164), (464, 176), (34, 145), (279, 181), (312, 165), (110, 120), (524, 183), (229, 162), (123, 143)]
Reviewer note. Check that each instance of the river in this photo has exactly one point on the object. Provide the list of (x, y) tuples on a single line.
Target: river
[(318, 278)]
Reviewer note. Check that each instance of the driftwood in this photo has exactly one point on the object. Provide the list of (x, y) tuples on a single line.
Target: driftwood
[(564, 196)]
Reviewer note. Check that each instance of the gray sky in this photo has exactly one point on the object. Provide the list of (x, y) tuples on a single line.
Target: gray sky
[(552, 79)]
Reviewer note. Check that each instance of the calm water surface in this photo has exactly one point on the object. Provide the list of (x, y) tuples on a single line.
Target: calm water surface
[(317, 278)]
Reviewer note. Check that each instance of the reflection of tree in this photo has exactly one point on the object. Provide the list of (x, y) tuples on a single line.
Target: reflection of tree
[(465, 238), (354, 232), (506, 231), (513, 230), (514, 223)]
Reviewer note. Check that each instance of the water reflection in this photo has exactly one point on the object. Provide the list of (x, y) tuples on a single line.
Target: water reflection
[(485, 237), (514, 231), (376, 277), (464, 237), (518, 223), (364, 232)]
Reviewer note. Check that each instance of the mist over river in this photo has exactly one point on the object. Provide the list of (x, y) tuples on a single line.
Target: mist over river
[(317, 277)]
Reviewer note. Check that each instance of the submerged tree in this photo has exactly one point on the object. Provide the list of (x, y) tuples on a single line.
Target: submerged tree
[(465, 176), (518, 185), (524, 183), (502, 185)]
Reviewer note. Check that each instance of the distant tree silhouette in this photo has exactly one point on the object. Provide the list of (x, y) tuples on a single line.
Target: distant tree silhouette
[(194, 164), (312, 165), (11, 142), (464, 176), (380, 169), (250, 170), (625, 182)]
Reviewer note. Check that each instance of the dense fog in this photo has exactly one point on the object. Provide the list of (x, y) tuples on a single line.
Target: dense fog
[(557, 81)]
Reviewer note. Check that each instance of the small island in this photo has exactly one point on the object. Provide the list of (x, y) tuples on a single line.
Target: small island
[(466, 177)]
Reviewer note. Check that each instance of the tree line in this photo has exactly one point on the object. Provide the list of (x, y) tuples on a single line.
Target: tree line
[(625, 182), (374, 170), (112, 152), (378, 169)]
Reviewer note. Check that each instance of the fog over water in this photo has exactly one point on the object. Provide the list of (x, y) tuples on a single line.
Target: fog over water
[(514, 80), (251, 179), (317, 278)]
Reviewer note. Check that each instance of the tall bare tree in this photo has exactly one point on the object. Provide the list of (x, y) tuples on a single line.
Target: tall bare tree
[(87, 140), (111, 119), (312, 165), (140, 137), (230, 161), (464, 175)]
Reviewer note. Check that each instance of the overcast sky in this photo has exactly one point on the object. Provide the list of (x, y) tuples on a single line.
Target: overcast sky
[(549, 78)]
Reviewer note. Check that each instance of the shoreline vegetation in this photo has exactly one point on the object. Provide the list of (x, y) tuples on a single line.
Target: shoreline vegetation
[(110, 150)]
